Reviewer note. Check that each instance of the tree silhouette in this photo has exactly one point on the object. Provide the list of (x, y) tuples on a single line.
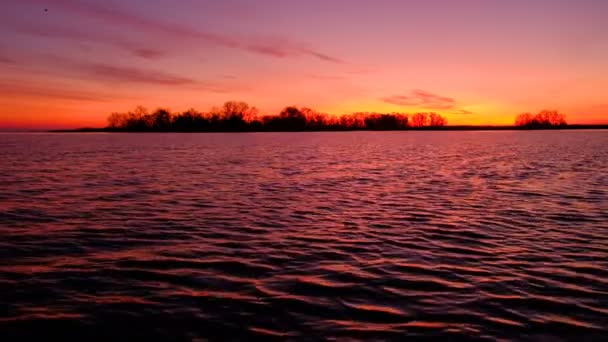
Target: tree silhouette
[(235, 116), (436, 120), (160, 120), (544, 119), (419, 119)]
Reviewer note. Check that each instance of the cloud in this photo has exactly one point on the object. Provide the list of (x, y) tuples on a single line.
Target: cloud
[(105, 73), (18, 88), (281, 48), (462, 112), (98, 71), (148, 53), (90, 36), (324, 57), (274, 51), (101, 71), (6, 60), (423, 99), (134, 75), (262, 46)]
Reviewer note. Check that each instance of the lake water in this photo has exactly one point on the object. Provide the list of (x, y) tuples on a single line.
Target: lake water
[(381, 235)]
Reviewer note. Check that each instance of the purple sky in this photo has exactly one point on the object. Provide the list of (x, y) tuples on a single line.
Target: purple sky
[(474, 61)]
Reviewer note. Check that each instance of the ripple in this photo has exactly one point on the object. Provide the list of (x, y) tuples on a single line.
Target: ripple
[(336, 236), (374, 309)]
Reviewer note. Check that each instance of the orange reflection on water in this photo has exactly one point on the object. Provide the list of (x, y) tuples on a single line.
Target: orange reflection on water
[(374, 308)]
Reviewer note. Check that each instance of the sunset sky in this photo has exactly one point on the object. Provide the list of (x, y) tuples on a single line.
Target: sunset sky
[(475, 61)]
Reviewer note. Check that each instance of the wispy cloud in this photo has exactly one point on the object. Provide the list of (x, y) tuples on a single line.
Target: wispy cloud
[(20, 88), (110, 73), (115, 75), (264, 46), (124, 74), (462, 112), (148, 53), (92, 36), (282, 48), (6, 60), (134, 75), (101, 71), (270, 50), (423, 99), (324, 57)]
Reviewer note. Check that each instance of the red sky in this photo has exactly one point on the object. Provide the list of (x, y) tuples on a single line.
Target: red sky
[(474, 61)]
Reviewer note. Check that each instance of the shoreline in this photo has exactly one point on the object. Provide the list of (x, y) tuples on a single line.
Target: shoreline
[(435, 129)]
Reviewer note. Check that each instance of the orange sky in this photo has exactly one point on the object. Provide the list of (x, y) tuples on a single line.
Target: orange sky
[(474, 61)]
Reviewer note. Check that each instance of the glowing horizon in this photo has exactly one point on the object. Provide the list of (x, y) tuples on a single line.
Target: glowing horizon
[(475, 62)]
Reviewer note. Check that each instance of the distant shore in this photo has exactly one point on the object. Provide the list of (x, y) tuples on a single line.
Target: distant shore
[(239, 117), (443, 128)]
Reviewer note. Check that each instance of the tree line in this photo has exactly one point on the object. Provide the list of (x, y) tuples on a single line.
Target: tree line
[(236, 116), (543, 119)]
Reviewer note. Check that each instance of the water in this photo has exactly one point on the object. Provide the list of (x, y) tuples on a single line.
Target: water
[(305, 235)]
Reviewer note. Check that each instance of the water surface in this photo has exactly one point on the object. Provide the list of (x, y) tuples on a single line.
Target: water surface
[(474, 235)]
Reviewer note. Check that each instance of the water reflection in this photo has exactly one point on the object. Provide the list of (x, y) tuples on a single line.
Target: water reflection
[(343, 235)]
